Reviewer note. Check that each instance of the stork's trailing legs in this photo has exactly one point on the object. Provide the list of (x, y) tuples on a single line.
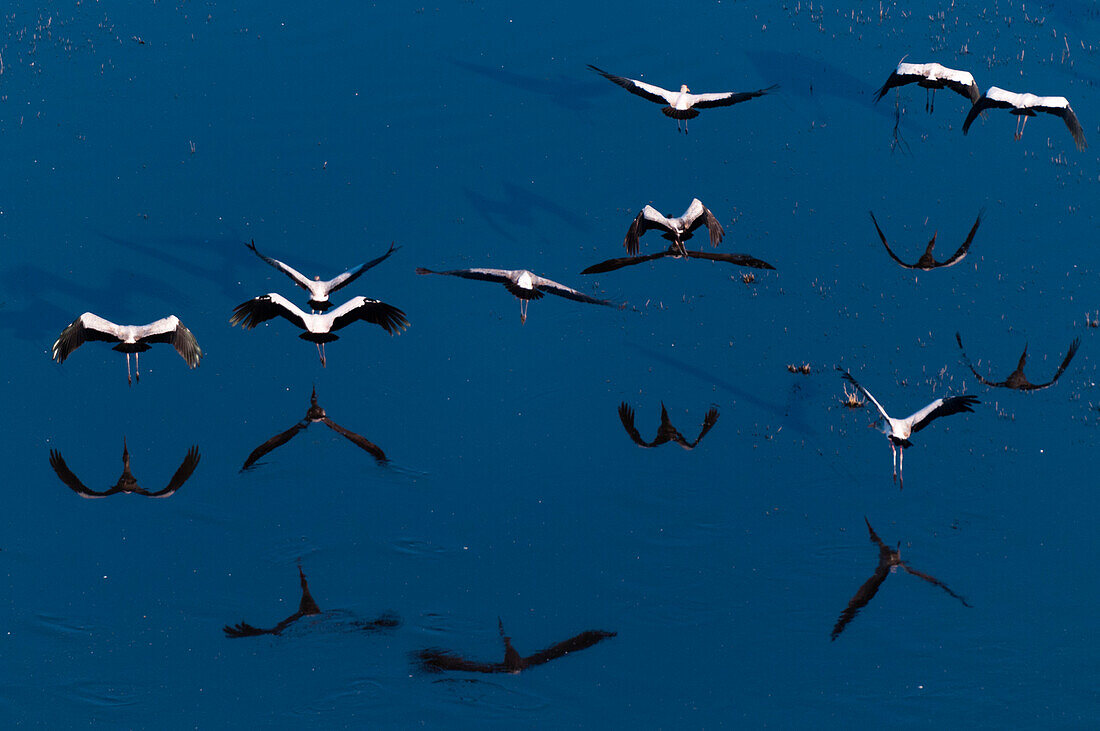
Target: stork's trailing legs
[(129, 380), (894, 453), (523, 312), (901, 468), (321, 353)]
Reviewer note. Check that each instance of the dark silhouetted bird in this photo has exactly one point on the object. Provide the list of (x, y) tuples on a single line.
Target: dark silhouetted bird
[(675, 252), (927, 262), (126, 482), (666, 432), (130, 339), (436, 660), (898, 431), (307, 607), (889, 559), (1017, 380), (682, 104), (524, 285), (314, 415), (319, 291)]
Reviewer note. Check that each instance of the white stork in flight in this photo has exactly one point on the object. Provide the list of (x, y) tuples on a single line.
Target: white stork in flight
[(677, 230), (130, 339), (319, 329), (1024, 106), (898, 431), (682, 104), (319, 291), (931, 76), (525, 285)]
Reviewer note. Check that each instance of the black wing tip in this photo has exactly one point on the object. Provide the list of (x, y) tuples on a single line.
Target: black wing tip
[(422, 270)]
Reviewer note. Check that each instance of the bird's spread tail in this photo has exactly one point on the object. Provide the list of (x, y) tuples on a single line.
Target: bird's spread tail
[(680, 113)]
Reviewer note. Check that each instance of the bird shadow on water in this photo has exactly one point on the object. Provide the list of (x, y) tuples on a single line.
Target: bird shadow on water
[(116, 296), (566, 91), (518, 209), (809, 79), (796, 421)]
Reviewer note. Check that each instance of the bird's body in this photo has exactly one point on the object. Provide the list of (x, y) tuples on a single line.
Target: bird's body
[(314, 415), (898, 431), (319, 291), (931, 76), (523, 284), (889, 560), (1027, 105), (319, 328), (126, 483), (1017, 380), (676, 229), (128, 339), (676, 251), (927, 262), (666, 432), (435, 660), (682, 104)]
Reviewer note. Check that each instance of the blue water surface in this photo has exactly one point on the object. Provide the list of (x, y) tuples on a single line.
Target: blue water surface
[(146, 143)]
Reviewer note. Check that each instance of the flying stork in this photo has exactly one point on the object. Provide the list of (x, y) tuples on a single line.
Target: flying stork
[(1017, 380), (319, 328), (131, 339), (931, 76), (681, 104), (319, 291), (435, 660), (525, 285), (898, 431), (1024, 106)]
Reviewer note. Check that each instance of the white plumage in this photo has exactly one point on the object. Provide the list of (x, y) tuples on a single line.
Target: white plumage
[(1027, 105)]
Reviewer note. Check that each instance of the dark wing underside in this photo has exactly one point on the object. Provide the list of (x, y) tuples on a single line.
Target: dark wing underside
[(1062, 368), (386, 316), (894, 80), (186, 468), (980, 106), (436, 661), (574, 644), (708, 423), (733, 98), (1072, 123), (626, 416), (75, 335), (861, 598), (612, 264), (743, 260), (889, 251), (276, 441), (72, 481), (261, 309), (934, 580), (966, 360), (361, 441), (958, 255), (953, 405), (630, 85)]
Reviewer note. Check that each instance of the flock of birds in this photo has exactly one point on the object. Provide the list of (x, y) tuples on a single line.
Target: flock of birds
[(321, 323)]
